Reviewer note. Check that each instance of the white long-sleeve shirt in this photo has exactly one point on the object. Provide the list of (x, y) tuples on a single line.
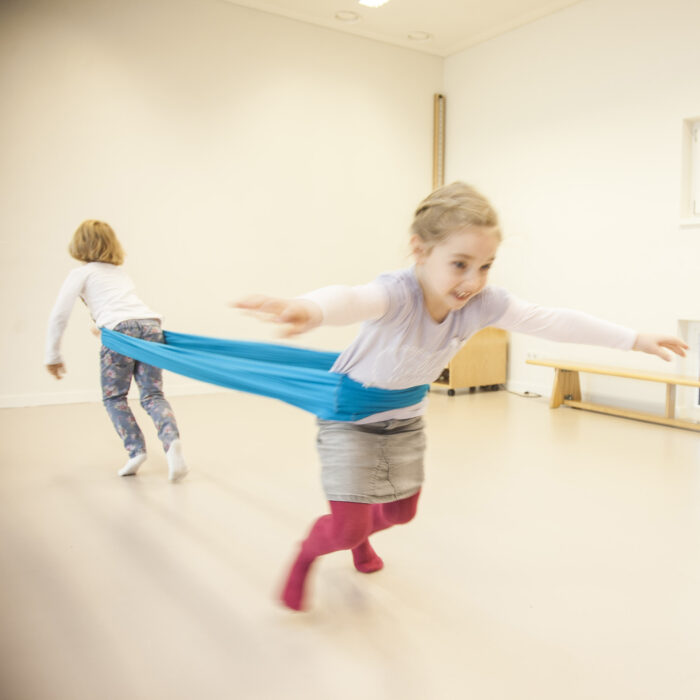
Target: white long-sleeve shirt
[(109, 295), (400, 345)]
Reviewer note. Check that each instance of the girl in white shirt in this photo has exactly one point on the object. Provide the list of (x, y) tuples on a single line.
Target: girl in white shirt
[(105, 288), (415, 321)]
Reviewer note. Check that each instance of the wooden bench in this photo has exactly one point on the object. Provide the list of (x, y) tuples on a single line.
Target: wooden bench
[(567, 390)]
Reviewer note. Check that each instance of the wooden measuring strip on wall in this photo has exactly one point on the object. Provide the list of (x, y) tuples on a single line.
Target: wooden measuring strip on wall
[(438, 140)]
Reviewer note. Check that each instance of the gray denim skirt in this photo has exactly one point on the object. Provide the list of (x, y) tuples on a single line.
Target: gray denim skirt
[(371, 462)]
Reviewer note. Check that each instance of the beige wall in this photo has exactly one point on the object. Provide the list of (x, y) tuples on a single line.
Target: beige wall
[(233, 152), (573, 126)]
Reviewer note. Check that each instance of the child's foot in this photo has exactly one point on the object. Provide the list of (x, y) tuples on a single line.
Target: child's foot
[(293, 593), (366, 559), (132, 466), (176, 462)]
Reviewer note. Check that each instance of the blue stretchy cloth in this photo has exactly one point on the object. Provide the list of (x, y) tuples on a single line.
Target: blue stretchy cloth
[(298, 376)]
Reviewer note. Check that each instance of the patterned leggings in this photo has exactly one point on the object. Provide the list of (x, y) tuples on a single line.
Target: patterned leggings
[(116, 372)]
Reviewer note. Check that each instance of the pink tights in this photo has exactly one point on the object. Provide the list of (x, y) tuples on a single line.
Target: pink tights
[(348, 526)]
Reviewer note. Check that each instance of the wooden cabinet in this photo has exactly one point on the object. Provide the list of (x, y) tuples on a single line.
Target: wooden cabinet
[(480, 363)]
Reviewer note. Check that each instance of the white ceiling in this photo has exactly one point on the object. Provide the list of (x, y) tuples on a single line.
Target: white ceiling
[(452, 24)]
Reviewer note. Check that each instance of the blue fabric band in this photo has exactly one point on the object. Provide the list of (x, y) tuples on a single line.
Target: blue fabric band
[(298, 376)]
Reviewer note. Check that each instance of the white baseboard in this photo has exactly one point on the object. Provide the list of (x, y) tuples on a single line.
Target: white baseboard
[(683, 411), (57, 398), (26, 400), (189, 389), (531, 387)]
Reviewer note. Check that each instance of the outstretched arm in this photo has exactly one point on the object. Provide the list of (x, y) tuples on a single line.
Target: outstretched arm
[(569, 326), (332, 306)]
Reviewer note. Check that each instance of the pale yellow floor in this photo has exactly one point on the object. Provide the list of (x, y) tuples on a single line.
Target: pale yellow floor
[(556, 555)]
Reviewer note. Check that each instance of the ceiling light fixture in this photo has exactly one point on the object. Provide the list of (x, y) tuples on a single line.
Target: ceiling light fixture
[(347, 16), (420, 36), (373, 3)]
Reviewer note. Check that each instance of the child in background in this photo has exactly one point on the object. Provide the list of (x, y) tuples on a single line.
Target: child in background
[(109, 294), (415, 320)]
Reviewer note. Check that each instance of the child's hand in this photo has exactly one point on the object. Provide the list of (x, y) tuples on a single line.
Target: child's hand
[(655, 344), (57, 370), (297, 315), (95, 330)]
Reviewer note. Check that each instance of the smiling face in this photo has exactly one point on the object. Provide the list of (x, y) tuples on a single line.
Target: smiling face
[(454, 270)]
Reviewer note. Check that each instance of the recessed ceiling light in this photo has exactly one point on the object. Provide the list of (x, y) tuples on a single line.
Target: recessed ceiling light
[(347, 16), (373, 3), (420, 36)]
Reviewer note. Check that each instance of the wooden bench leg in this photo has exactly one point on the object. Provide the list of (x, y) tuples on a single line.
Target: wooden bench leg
[(566, 386), (670, 401)]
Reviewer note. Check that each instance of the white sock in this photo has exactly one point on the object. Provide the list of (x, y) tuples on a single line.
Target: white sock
[(176, 462), (132, 466)]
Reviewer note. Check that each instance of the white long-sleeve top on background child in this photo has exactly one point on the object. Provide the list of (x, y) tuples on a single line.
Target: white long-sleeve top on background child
[(401, 345), (109, 295)]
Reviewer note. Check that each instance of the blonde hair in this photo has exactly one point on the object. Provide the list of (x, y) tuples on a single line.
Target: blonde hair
[(95, 241), (451, 208)]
